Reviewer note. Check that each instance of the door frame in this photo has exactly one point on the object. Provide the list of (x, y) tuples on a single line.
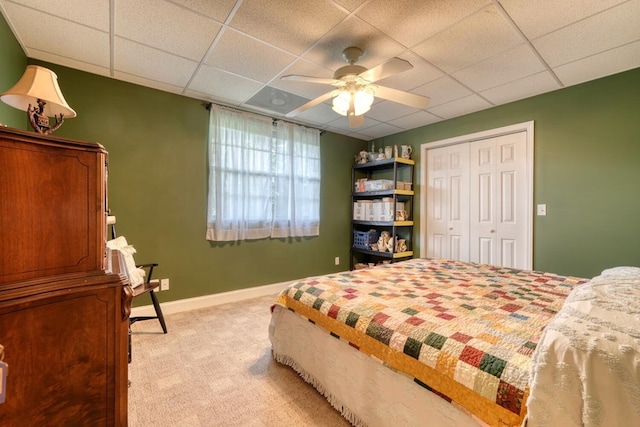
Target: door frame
[(526, 127)]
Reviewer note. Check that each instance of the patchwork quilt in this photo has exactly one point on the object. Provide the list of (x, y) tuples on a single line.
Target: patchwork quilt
[(464, 331)]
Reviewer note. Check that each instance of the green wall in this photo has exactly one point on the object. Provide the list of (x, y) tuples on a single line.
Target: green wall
[(587, 170), (13, 62), (157, 145)]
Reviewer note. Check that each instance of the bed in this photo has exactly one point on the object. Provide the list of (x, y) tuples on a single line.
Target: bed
[(446, 343)]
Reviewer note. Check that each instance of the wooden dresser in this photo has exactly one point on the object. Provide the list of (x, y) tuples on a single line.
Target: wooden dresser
[(63, 319)]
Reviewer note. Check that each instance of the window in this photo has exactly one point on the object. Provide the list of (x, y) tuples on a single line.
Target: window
[(264, 177)]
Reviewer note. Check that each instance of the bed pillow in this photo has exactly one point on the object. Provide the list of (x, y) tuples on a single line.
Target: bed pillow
[(623, 271)]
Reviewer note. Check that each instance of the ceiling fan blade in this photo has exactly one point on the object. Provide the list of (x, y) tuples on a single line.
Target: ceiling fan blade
[(313, 103), (402, 97), (356, 121), (321, 80), (386, 69)]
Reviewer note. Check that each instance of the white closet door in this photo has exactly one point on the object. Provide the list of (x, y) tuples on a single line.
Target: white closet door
[(499, 201), (448, 203)]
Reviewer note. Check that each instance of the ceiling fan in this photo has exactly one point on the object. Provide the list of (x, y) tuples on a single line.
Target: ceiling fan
[(355, 90)]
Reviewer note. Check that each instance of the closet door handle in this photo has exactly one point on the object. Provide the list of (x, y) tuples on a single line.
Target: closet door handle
[(450, 228), (492, 231)]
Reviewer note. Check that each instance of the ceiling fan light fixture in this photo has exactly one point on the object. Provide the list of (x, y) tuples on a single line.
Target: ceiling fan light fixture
[(341, 103), (362, 101), (354, 89)]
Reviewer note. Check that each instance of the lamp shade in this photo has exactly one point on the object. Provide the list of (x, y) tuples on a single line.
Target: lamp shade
[(341, 103), (362, 101), (38, 83)]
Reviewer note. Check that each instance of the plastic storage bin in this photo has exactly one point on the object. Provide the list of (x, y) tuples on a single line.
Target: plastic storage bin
[(364, 239), (378, 185)]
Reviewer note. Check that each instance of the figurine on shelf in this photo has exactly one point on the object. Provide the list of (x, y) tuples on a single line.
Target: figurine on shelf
[(406, 151), (362, 157), (401, 245), (383, 241), (390, 245)]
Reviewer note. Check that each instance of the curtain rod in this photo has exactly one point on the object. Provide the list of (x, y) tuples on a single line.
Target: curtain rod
[(208, 106)]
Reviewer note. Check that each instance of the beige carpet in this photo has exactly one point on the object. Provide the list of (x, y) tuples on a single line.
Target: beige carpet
[(214, 368)]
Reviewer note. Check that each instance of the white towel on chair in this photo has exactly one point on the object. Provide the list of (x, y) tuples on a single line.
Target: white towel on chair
[(135, 274)]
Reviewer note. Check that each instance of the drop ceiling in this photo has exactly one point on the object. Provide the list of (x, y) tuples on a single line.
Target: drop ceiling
[(467, 55)]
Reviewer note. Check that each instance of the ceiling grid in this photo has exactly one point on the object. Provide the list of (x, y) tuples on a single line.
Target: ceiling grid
[(466, 56)]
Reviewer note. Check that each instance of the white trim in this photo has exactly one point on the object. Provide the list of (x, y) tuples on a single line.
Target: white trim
[(491, 133), (195, 303)]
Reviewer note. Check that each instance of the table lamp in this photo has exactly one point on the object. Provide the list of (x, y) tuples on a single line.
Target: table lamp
[(37, 92)]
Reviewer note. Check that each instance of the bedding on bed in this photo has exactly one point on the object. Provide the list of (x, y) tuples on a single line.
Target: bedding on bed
[(586, 368), (464, 331)]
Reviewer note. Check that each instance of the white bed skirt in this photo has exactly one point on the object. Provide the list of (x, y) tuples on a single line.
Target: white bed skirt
[(364, 390)]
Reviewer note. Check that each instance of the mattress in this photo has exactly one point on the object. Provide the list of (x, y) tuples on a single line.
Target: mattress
[(465, 332), (362, 388)]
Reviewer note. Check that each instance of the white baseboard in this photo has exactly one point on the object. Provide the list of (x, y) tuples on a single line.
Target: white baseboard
[(210, 300)]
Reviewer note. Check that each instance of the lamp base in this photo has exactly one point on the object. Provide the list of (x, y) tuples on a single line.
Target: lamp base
[(39, 121)]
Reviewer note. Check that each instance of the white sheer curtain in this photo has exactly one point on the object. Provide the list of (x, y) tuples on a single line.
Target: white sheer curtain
[(264, 180)]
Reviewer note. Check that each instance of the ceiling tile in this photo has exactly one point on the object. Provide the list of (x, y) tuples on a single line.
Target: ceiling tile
[(460, 107), (387, 110), (48, 33), (412, 21), (218, 10), (93, 14), (219, 84), (421, 118), (538, 17), (480, 36), (443, 90), (147, 82), (609, 29), (157, 65), (522, 88), (603, 64), (321, 113), (506, 67), (380, 130), (234, 51), (165, 26), (288, 24), (342, 123), (377, 47), (70, 63)]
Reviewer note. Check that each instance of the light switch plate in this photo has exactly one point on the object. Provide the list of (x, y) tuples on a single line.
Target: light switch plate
[(542, 210)]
